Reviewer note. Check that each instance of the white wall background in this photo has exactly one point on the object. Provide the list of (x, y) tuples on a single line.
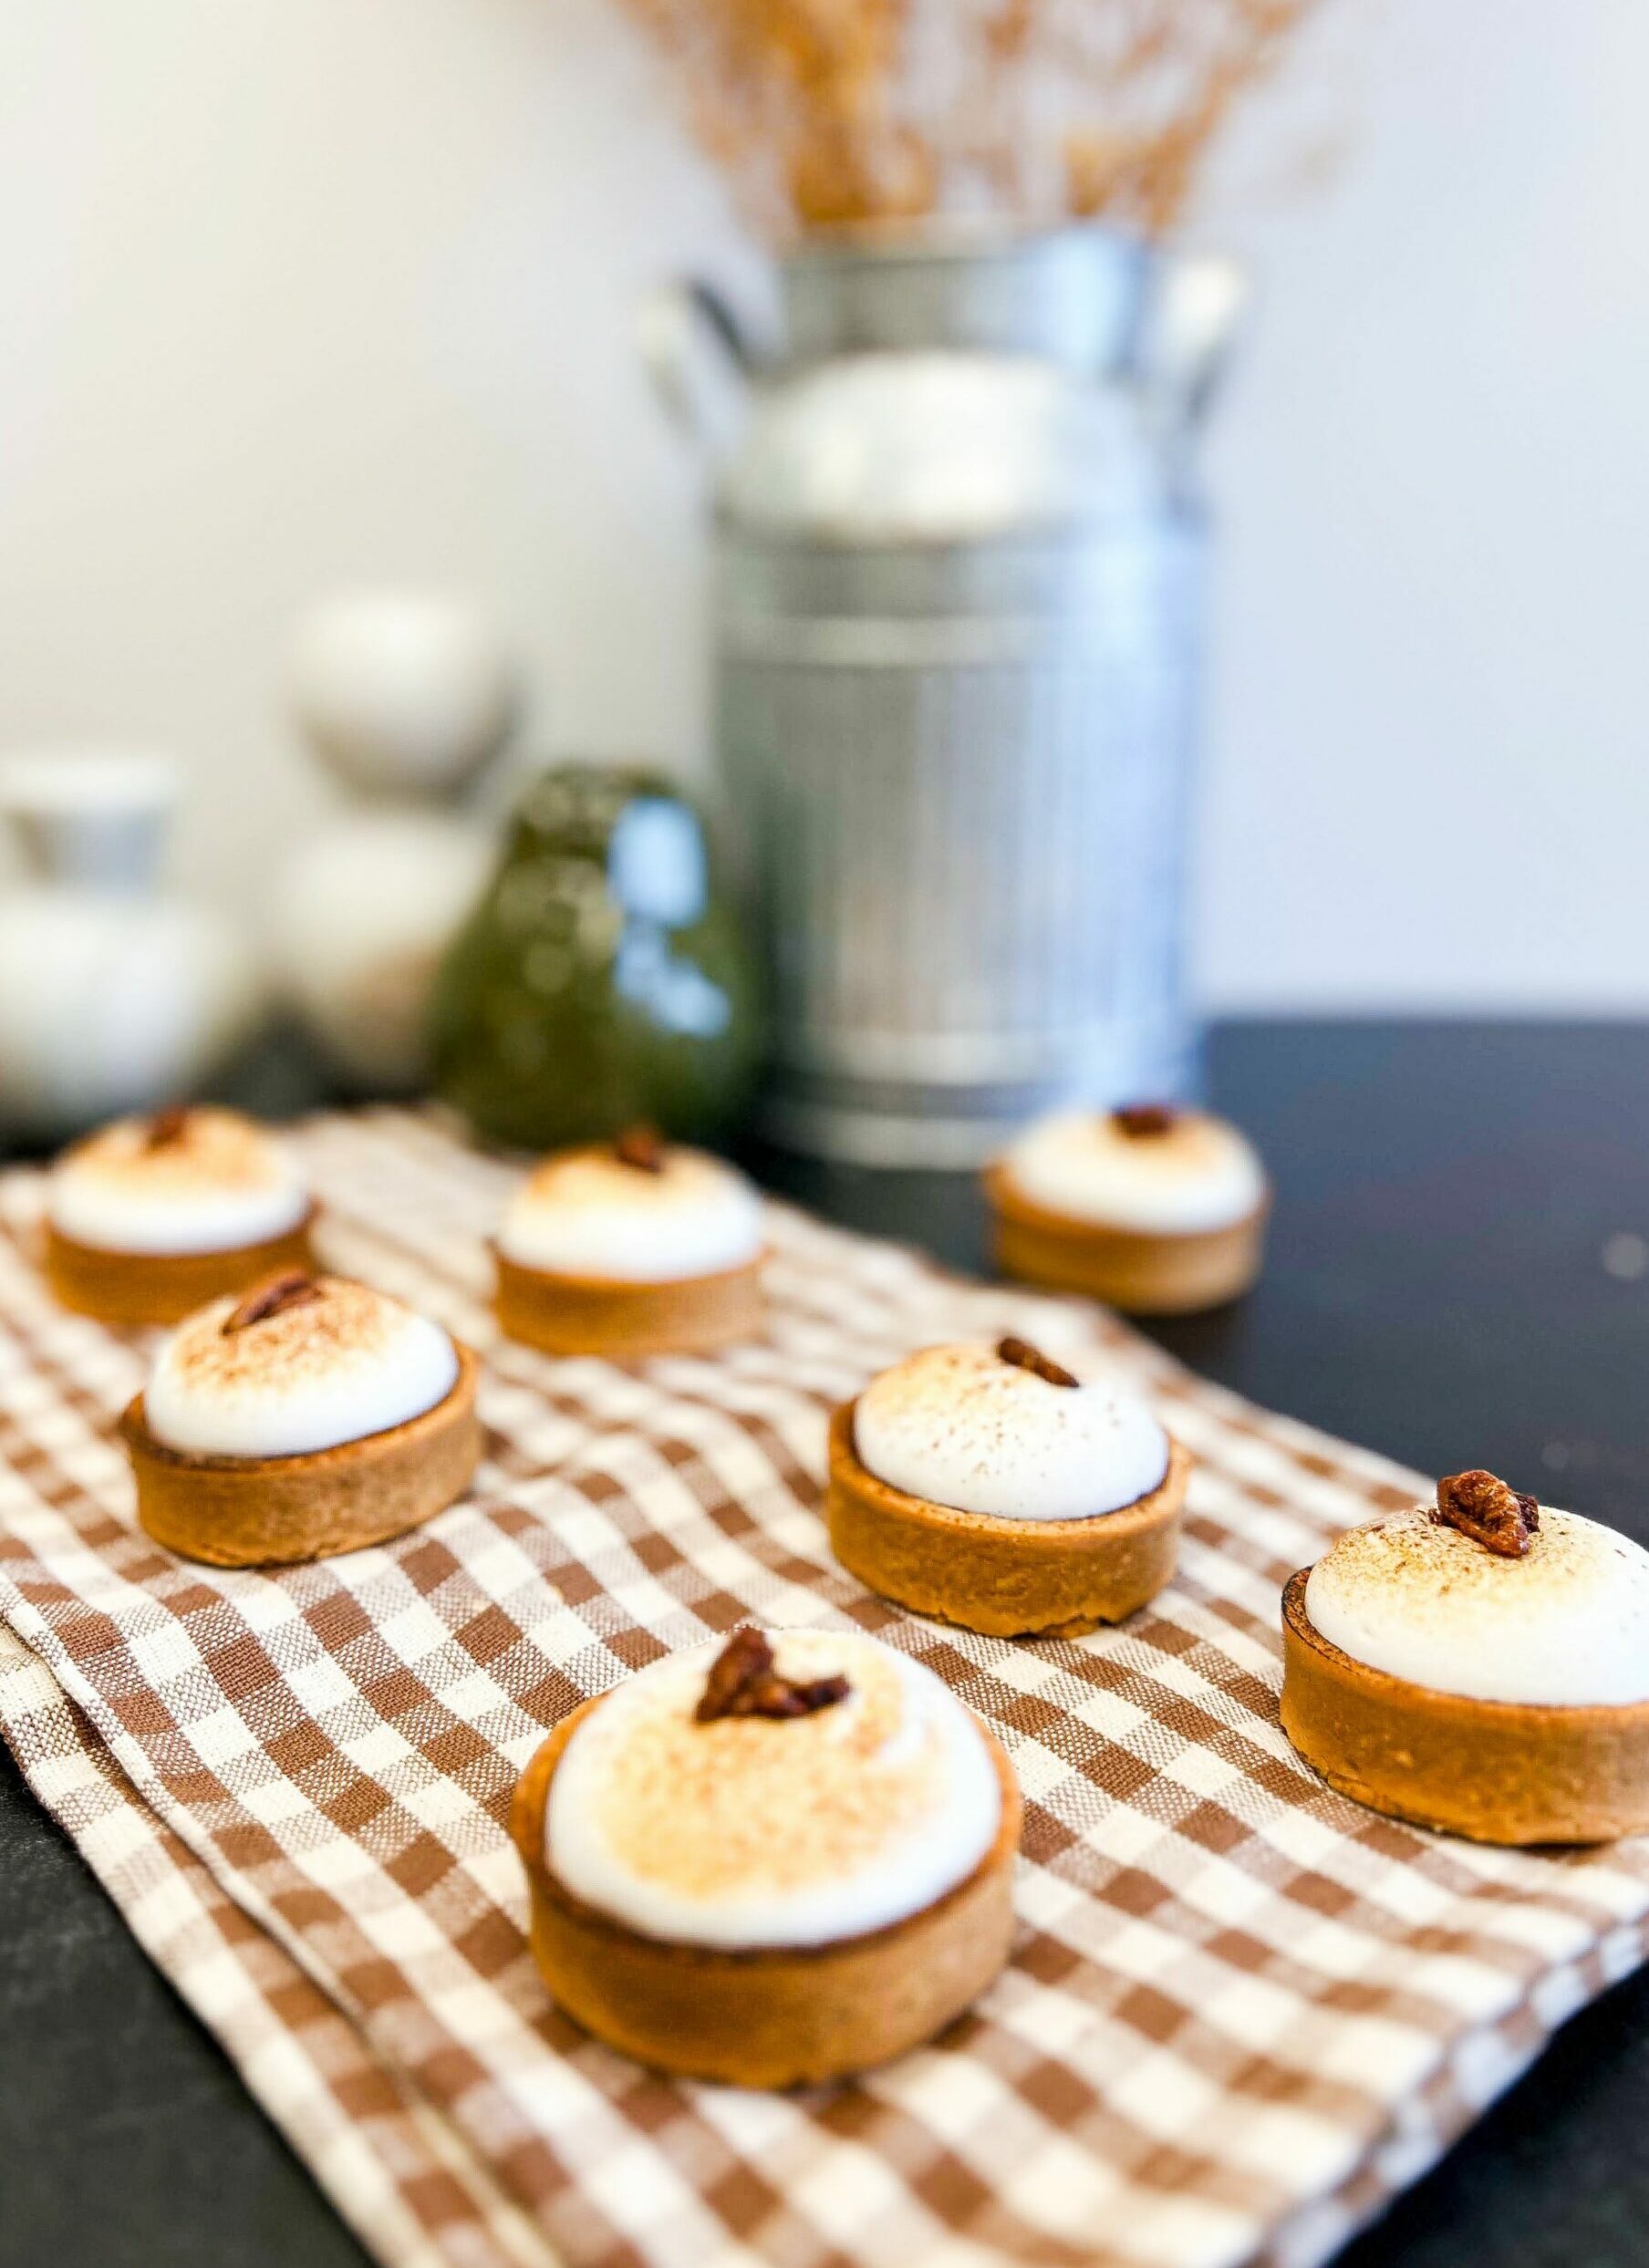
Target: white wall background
[(302, 292)]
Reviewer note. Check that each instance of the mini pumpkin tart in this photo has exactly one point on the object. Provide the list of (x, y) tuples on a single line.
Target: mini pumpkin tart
[(992, 1487), (149, 1218), (631, 1247), (1480, 1666), (1152, 1210), (313, 1417), (772, 1864)]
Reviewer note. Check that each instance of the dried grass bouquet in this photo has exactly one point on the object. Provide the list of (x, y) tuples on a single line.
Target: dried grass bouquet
[(853, 113)]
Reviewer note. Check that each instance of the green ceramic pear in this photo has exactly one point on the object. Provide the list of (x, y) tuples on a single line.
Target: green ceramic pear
[(601, 979)]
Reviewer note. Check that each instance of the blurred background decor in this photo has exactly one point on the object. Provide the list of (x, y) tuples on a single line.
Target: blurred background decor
[(602, 980), (959, 583), (115, 993), (958, 543), (237, 377), (885, 112), (406, 698)]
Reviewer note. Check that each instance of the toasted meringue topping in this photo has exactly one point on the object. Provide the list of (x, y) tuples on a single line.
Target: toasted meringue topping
[(1181, 1174), (755, 1830), (1565, 1623), (200, 1180), (594, 1213), (337, 1366), (963, 1426)]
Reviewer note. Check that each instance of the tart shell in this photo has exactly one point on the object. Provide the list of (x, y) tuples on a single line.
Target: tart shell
[(134, 1287), (607, 1315), (1142, 1274), (1495, 1771), (1008, 1579), (267, 1511), (772, 2017)]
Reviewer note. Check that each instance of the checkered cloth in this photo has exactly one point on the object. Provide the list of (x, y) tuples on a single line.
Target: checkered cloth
[(1241, 2013)]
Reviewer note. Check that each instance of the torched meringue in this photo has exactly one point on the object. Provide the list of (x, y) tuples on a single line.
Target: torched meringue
[(959, 1425), (587, 1213), (755, 1830), (336, 1365), (1180, 1173), (195, 1180), (1565, 1623)]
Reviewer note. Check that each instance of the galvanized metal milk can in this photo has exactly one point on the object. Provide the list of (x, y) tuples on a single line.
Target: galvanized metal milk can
[(958, 584)]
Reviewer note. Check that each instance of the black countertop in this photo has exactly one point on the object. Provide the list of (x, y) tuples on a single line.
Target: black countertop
[(1459, 1275)]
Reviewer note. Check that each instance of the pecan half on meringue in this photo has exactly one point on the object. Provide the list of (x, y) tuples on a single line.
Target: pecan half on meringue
[(1144, 1122), (743, 1683), (273, 1296), (1025, 1357), (1485, 1509), (640, 1146)]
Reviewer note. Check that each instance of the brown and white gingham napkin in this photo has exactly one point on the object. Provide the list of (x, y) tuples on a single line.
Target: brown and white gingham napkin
[(1240, 2013)]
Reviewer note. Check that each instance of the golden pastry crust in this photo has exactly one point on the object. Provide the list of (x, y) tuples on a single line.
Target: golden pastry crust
[(276, 1511), (1008, 1579), (1495, 1771), (135, 1288), (608, 1316), (1142, 1274), (775, 2015)]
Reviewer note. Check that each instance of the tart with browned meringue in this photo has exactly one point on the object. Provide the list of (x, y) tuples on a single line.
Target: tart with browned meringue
[(1480, 1664), (770, 1862), (1153, 1209), (313, 1416), (631, 1247), (150, 1217), (994, 1488)]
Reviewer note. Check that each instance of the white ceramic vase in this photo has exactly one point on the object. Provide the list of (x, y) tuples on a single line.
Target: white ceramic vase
[(115, 995), (405, 696), (362, 916)]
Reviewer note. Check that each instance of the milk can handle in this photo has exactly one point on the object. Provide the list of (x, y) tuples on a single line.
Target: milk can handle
[(1192, 320), (699, 356)]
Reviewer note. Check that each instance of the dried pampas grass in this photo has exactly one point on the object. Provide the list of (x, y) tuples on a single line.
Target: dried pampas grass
[(856, 113)]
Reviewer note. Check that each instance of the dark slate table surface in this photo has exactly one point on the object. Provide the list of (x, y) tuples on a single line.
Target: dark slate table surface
[(1459, 1275)]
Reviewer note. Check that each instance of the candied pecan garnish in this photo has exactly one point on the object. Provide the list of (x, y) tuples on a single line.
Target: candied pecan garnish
[(167, 1127), (743, 1683), (1143, 1122), (273, 1296), (642, 1146), (1488, 1511), (1025, 1357)]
